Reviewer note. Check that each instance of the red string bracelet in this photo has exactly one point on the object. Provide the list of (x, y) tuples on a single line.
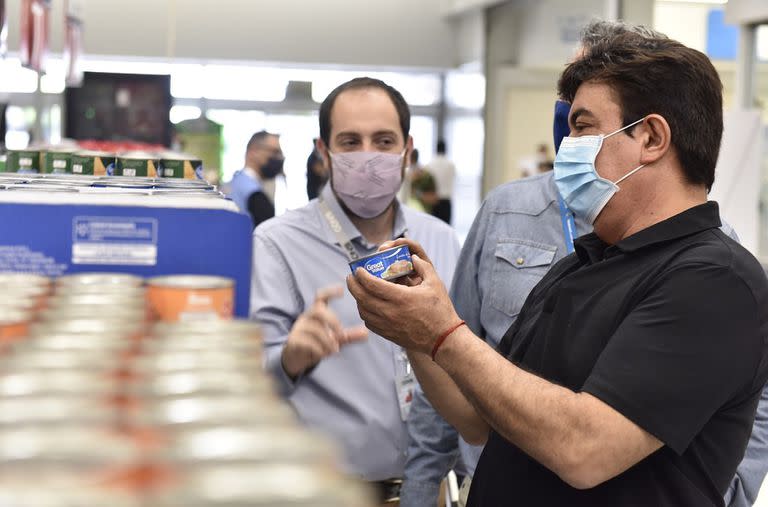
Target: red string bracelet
[(443, 336)]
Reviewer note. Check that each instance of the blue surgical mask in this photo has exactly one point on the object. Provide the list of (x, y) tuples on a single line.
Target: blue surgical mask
[(584, 191)]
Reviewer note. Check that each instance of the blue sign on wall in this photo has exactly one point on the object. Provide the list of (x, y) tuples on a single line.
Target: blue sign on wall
[(722, 39)]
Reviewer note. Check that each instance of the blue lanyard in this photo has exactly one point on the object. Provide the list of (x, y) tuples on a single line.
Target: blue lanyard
[(569, 225)]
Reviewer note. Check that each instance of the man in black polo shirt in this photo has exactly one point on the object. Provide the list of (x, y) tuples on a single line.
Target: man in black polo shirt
[(632, 373)]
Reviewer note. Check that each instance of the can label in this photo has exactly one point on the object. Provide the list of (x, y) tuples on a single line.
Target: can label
[(23, 161), (173, 303), (135, 167), (58, 163), (387, 264), (93, 165)]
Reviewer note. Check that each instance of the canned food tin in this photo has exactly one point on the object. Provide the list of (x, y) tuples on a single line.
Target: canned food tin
[(100, 279), (187, 168), (95, 163), (133, 300), (94, 312), (213, 329), (54, 410), (58, 160), (136, 163), (63, 488), (246, 444), (67, 291), (67, 445), (113, 327), (23, 161), (196, 360), (207, 411), (203, 343), (59, 383), (31, 359), (275, 485), (23, 280), (19, 301), (388, 264), (14, 325), (202, 383), (190, 297), (76, 342)]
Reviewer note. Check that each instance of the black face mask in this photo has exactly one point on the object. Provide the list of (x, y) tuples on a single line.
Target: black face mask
[(272, 168)]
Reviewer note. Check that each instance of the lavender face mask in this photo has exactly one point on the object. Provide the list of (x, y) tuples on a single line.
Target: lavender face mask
[(366, 181)]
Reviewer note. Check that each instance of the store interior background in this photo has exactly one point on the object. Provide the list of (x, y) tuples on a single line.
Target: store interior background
[(479, 73)]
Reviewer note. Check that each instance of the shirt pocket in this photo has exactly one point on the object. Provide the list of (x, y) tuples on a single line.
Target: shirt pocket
[(518, 265)]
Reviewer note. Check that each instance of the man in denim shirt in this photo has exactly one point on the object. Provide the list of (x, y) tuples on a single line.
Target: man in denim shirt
[(517, 235)]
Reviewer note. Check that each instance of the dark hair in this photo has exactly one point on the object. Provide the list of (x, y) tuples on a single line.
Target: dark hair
[(599, 30), (662, 76), (258, 138), (441, 146), (403, 113), (414, 156)]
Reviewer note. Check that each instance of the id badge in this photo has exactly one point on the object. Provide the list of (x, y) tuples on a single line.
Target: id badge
[(405, 383)]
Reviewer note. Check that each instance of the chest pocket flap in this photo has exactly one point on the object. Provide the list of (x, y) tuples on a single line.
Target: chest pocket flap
[(524, 255), (518, 266)]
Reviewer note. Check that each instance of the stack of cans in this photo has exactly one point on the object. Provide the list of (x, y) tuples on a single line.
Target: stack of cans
[(71, 159), (100, 405), (89, 184)]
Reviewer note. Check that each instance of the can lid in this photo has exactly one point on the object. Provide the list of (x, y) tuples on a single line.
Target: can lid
[(14, 316), (94, 153), (96, 278), (250, 444), (9, 279), (382, 253), (191, 282), (274, 485)]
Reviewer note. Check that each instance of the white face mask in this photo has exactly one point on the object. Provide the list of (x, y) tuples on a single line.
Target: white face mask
[(584, 191), (366, 181)]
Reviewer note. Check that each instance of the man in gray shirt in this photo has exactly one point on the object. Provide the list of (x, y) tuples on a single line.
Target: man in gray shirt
[(342, 380)]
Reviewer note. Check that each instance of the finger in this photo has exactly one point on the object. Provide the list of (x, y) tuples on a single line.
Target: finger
[(357, 290), (325, 294), (324, 316), (413, 246), (423, 269), (355, 334), (318, 334), (376, 287), (393, 243), (409, 280)]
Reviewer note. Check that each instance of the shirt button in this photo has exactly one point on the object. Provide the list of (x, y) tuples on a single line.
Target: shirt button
[(520, 261)]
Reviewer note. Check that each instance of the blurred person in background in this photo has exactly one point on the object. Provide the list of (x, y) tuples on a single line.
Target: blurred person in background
[(253, 187), (444, 172), (424, 192), (343, 380), (317, 173), (524, 220), (412, 172)]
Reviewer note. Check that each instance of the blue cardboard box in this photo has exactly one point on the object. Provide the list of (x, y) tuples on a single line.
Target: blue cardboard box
[(107, 233)]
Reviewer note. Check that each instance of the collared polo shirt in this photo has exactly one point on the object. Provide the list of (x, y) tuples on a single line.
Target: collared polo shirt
[(350, 396), (670, 328)]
